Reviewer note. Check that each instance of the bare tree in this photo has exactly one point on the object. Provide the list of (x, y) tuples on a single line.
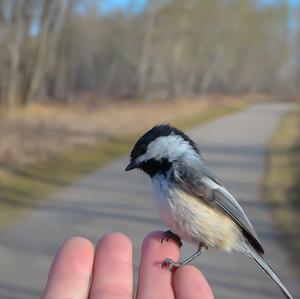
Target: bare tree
[(61, 49)]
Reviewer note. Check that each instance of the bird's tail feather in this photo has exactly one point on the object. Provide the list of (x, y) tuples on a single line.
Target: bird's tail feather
[(266, 267)]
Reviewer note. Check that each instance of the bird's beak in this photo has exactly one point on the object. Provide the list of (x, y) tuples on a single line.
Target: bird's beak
[(132, 165)]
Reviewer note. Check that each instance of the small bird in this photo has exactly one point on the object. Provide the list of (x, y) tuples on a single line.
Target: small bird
[(191, 199)]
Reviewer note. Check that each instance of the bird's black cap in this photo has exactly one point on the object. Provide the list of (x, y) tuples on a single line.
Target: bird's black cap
[(158, 131)]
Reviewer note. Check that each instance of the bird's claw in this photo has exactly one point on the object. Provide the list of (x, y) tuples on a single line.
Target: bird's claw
[(170, 264), (167, 235)]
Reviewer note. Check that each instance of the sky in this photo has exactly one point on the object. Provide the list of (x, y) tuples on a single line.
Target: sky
[(109, 5), (106, 6), (293, 3)]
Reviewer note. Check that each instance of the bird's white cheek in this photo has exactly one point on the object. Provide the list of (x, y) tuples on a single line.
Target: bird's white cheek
[(142, 158)]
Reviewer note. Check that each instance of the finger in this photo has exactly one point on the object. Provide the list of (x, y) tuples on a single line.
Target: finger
[(113, 269), (189, 283), (155, 282), (71, 270)]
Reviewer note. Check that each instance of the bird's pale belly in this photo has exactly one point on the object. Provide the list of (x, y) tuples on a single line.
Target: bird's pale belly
[(196, 222)]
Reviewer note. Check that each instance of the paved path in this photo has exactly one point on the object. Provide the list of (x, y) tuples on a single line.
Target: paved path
[(112, 200)]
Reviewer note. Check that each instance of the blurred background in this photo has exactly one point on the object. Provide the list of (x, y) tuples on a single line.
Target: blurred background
[(80, 80), (75, 50)]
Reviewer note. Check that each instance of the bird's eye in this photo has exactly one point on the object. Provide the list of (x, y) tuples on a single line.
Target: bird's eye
[(143, 149)]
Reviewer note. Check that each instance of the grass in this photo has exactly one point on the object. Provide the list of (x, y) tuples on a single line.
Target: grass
[(283, 179), (27, 185)]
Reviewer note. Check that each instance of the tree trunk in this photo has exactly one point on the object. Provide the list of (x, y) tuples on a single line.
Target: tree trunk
[(144, 61)]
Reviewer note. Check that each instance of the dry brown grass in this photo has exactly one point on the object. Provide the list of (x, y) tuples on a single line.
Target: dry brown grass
[(283, 178), (39, 132)]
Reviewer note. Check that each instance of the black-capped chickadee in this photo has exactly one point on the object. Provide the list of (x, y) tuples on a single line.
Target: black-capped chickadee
[(192, 201)]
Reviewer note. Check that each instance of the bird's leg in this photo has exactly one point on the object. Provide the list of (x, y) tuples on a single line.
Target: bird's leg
[(201, 249), (167, 235), (172, 265)]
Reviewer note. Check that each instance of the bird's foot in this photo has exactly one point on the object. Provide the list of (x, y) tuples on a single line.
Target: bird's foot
[(167, 235), (170, 264)]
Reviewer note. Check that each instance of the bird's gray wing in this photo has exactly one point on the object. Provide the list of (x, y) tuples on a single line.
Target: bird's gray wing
[(191, 177), (207, 172)]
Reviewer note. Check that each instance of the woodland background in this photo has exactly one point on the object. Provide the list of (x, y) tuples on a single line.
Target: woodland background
[(65, 51)]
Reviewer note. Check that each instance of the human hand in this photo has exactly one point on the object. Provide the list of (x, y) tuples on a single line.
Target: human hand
[(111, 267)]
